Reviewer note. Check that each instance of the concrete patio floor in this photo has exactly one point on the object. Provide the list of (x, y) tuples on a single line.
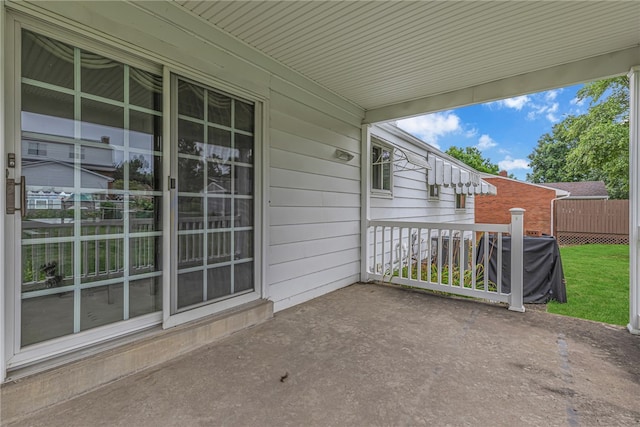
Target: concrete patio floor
[(377, 355)]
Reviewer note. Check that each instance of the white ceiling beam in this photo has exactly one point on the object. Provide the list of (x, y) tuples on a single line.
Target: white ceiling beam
[(597, 67)]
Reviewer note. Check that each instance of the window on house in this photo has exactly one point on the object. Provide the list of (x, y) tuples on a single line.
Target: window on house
[(434, 192), (37, 149), (72, 152), (461, 201), (381, 161)]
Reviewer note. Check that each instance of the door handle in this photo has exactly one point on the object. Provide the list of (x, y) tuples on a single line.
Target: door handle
[(11, 196)]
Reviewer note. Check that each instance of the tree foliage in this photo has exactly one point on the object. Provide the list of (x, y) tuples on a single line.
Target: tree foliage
[(471, 156), (590, 146)]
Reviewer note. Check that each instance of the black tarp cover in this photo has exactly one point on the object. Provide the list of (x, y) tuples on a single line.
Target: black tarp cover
[(543, 276)]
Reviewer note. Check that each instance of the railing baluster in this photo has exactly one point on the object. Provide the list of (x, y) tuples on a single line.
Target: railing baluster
[(419, 257), (474, 266), (399, 251), (409, 253), (383, 250), (428, 255), (107, 257), (391, 257), (375, 250), (439, 256), (462, 253), (487, 236), (499, 269), (450, 257)]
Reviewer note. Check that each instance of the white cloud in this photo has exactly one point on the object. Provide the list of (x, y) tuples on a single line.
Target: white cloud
[(485, 142), (546, 110), (510, 164), (516, 103), (471, 133), (578, 102), (551, 95), (430, 127)]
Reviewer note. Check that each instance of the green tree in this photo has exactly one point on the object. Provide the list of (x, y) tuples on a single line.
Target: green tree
[(471, 156), (548, 160), (591, 146)]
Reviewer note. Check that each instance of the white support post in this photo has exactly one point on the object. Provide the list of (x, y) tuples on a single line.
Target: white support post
[(365, 202), (517, 259), (634, 200)]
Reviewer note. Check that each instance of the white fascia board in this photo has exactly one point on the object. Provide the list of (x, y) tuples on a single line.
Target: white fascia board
[(597, 67)]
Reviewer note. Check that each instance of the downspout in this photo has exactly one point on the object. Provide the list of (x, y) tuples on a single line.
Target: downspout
[(552, 216)]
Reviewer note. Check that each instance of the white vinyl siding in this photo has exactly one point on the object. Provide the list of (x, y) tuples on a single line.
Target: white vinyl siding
[(314, 210), (411, 196)]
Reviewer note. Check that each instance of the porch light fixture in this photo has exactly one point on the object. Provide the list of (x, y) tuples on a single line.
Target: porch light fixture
[(343, 155)]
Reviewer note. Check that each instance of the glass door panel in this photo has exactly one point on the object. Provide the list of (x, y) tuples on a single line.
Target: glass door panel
[(91, 156), (215, 221)]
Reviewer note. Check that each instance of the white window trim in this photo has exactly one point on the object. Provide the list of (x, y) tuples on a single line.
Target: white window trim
[(378, 192), (437, 196), (461, 196)]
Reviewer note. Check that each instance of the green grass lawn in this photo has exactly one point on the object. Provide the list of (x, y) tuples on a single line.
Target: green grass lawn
[(597, 278)]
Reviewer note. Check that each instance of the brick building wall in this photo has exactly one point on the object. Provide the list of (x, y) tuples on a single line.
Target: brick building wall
[(534, 199)]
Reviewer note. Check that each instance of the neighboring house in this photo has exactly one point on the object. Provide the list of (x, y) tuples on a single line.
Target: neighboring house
[(582, 190), (271, 102), (536, 199)]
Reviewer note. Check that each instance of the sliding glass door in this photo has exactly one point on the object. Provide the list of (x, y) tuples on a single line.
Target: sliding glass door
[(91, 158), (99, 208), (214, 154)]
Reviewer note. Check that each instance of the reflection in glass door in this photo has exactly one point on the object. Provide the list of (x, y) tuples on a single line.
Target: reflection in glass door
[(215, 221), (91, 155)]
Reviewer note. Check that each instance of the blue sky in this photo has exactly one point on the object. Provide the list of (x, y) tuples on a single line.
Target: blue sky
[(506, 131)]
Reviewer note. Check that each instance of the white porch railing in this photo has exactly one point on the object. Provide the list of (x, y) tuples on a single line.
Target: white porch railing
[(445, 257)]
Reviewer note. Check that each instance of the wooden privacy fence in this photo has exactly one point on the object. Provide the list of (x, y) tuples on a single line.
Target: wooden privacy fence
[(578, 222)]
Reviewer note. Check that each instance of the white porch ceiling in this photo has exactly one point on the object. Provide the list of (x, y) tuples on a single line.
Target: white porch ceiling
[(382, 54)]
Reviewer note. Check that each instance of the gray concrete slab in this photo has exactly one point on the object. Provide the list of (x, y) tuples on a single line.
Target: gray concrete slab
[(376, 355)]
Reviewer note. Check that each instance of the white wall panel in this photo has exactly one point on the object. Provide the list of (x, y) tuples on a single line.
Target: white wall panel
[(311, 248), (411, 200), (314, 202), (307, 181), (311, 232), (345, 273), (310, 198)]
